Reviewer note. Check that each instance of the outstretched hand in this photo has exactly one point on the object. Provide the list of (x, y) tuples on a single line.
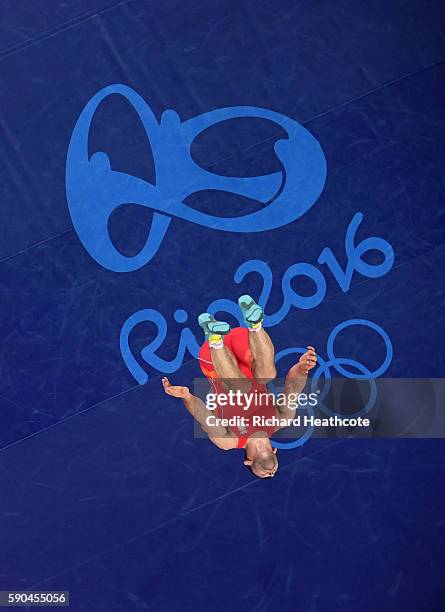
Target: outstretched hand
[(308, 360), (175, 391)]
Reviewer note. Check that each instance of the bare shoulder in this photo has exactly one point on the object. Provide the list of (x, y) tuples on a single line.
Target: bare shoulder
[(284, 418), (227, 442)]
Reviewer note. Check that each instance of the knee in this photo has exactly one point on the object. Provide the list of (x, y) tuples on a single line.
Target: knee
[(242, 384)]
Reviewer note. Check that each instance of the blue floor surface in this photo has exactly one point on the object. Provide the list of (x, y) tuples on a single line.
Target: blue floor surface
[(105, 491)]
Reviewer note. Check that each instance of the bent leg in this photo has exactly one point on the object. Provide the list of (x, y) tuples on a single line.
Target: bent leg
[(230, 363), (227, 368), (263, 354), (261, 347), (224, 362)]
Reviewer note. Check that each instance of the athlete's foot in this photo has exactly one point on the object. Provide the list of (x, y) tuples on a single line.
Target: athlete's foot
[(252, 313), (214, 330)]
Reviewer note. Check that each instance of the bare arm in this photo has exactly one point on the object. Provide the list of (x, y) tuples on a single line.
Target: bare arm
[(219, 435), (295, 382)]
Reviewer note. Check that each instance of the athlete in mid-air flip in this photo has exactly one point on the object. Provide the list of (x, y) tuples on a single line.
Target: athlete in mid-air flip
[(241, 360)]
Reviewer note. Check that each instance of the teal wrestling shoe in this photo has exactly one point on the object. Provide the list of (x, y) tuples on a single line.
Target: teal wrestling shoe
[(252, 313), (213, 329)]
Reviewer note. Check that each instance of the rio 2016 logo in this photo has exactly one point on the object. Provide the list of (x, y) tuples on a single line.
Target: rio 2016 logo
[(94, 190)]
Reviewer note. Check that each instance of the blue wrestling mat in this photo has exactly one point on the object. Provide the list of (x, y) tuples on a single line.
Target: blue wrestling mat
[(158, 160)]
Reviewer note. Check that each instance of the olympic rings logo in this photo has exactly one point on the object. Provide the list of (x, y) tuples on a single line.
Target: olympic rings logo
[(338, 363)]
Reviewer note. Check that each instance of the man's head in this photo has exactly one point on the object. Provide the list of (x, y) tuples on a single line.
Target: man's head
[(261, 457)]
